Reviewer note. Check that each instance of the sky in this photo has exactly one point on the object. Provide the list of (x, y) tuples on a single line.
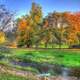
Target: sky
[(22, 7)]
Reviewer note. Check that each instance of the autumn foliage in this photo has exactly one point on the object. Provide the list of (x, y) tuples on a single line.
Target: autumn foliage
[(55, 28), (2, 37), (27, 26), (22, 24)]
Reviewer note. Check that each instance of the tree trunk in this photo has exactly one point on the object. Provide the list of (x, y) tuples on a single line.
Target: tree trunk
[(29, 45), (60, 44), (36, 46), (46, 45), (52, 44)]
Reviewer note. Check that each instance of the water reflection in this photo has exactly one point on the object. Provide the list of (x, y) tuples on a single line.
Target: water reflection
[(65, 72)]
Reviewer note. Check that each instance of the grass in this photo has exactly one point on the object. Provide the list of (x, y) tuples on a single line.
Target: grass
[(65, 57), (70, 58), (6, 76), (30, 69), (54, 46)]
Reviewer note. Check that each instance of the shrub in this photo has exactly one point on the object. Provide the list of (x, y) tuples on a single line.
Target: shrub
[(4, 49)]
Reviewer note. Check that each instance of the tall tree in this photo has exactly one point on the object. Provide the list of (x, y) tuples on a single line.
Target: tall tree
[(74, 28), (56, 23), (6, 22), (29, 25)]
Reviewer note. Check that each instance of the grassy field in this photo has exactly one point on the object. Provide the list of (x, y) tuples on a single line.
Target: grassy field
[(65, 57)]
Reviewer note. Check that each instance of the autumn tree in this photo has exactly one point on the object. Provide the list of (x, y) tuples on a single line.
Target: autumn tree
[(56, 24), (74, 28), (2, 37), (28, 26), (56, 28)]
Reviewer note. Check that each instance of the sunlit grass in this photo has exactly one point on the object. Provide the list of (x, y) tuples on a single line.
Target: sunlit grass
[(51, 56)]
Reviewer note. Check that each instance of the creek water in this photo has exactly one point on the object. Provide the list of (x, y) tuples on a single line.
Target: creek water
[(47, 68)]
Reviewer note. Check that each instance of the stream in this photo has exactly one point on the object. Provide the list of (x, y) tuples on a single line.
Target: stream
[(52, 69), (49, 69)]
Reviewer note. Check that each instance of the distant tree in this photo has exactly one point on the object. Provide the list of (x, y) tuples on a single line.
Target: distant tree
[(2, 38), (74, 29), (6, 22), (56, 24), (5, 18)]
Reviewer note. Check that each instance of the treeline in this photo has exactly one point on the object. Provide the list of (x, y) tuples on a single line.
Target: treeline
[(56, 28)]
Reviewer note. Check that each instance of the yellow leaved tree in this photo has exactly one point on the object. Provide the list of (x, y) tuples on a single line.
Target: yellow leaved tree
[(2, 37)]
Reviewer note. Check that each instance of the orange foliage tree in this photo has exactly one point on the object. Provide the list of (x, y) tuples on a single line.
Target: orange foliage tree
[(74, 27)]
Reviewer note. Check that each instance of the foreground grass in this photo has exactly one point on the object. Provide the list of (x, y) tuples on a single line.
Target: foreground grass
[(6, 76), (65, 57), (10, 73)]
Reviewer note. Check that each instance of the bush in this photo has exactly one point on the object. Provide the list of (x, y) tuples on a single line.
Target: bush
[(4, 50), (75, 46), (1, 56)]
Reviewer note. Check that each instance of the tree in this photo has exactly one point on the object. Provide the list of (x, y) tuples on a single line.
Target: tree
[(74, 28), (56, 24), (6, 22), (5, 19), (2, 38), (28, 26)]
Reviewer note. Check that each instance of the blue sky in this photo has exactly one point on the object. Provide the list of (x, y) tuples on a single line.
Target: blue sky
[(22, 7)]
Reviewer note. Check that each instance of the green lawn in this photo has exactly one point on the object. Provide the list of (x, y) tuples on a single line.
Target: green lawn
[(70, 58)]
